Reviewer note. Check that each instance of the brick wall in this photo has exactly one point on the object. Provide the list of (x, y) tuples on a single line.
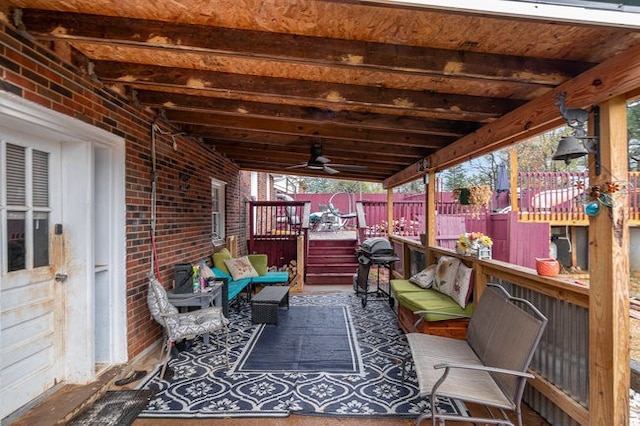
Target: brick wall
[(183, 175)]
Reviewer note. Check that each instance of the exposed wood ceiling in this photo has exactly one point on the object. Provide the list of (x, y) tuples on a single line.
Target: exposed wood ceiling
[(379, 86)]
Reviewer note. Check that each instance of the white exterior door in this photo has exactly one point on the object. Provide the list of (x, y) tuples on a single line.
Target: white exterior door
[(62, 252), (32, 311)]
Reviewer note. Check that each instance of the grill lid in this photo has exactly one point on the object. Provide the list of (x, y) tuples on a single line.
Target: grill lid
[(376, 245)]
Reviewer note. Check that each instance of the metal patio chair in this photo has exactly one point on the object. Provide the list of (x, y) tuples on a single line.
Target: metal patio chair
[(489, 368)]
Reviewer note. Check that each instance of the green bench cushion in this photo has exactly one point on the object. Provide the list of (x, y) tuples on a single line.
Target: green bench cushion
[(404, 286), (432, 300)]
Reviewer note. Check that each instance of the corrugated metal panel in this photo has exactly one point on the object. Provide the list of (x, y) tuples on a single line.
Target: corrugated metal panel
[(562, 356)]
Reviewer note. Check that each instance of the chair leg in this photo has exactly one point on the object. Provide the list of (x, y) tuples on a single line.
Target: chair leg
[(226, 345), (165, 358)]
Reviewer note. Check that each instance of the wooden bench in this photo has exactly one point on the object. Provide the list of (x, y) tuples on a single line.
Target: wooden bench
[(490, 366), (417, 307)]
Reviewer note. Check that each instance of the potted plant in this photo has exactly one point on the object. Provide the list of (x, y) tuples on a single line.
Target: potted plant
[(475, 196)]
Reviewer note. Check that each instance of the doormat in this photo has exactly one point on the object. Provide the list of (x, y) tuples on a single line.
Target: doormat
[(306, 339), (114, 408)]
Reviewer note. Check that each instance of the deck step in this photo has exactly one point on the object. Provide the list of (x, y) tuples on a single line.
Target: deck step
[(334, 268), (331, 262), (329, 279)]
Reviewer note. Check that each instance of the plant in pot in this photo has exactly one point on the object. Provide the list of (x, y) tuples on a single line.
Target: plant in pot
[(474, 244), (474, 196)]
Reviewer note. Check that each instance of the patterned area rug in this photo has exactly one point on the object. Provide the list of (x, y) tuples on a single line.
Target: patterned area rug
[(203, 388)]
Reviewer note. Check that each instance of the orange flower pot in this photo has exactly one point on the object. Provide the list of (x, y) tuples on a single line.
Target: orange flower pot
[(547, 266)]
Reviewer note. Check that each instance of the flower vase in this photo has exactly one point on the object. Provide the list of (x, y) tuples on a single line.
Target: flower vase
[(484, 253)]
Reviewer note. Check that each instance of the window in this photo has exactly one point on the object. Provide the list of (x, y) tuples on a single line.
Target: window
[(27, 207), (217, 209)]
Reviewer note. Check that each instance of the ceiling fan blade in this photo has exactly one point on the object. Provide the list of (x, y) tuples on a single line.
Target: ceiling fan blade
[(330, 170), (321, 159), (297, 166), (351, 167)]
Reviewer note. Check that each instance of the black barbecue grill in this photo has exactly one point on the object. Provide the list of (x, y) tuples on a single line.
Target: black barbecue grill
[(376, 252)]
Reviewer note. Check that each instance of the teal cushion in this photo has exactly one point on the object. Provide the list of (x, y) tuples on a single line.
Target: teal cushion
[(273, 277), (235, 287), (221, 274), (432, 300)]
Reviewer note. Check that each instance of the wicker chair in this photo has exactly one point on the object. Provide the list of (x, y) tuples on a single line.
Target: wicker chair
[(179, 326)]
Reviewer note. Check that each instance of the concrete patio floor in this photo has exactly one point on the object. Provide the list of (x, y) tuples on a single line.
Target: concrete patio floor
[(60, 407)]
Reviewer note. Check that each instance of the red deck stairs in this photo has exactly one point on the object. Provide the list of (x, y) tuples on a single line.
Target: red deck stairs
[(331, 261)]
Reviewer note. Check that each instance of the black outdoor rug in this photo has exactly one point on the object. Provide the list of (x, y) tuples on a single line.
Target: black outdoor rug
[(306, 339), (202, 387), (114, 408)]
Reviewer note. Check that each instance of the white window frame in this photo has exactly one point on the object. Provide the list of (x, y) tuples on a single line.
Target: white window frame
[(29, 209), (218, 209)]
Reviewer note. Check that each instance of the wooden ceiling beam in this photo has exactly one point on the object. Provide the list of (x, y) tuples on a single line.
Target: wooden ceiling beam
[(293, 127), (164, 100), (299, 153), (463, 107), (320, 104), (301, 144), (300, 49)]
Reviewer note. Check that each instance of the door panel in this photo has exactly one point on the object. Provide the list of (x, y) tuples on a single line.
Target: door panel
[(31, 301)]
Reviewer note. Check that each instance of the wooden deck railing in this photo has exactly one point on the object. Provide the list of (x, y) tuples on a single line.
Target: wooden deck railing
[(274, 228), (557, 198), (550, 197), (560, 389)]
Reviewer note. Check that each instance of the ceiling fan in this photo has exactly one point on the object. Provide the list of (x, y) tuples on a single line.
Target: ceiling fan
[(319, 162)]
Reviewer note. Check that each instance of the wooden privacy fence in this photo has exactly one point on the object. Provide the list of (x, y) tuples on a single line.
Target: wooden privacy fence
[(408, 218)]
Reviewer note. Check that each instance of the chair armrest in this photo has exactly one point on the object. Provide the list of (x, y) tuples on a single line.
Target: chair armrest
[(485, 368), (453, 315)]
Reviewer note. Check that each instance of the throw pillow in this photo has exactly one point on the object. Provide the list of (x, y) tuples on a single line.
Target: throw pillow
[(446, 272), (259, 262), (425, 277), (240, 268), (218, 259), (463, 286)]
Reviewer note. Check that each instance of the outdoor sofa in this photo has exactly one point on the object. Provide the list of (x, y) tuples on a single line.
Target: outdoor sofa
[(244, 272)]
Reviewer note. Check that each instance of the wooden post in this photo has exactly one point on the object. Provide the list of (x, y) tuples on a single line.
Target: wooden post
[(390, 211), (232, 245), (609, 376), (430, 215), (513, 180), (297, 282)]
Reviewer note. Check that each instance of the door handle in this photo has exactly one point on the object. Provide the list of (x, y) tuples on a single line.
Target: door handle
[(60, 277)]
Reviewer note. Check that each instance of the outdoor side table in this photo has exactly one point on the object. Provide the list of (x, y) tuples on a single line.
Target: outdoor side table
[(264, 305)]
